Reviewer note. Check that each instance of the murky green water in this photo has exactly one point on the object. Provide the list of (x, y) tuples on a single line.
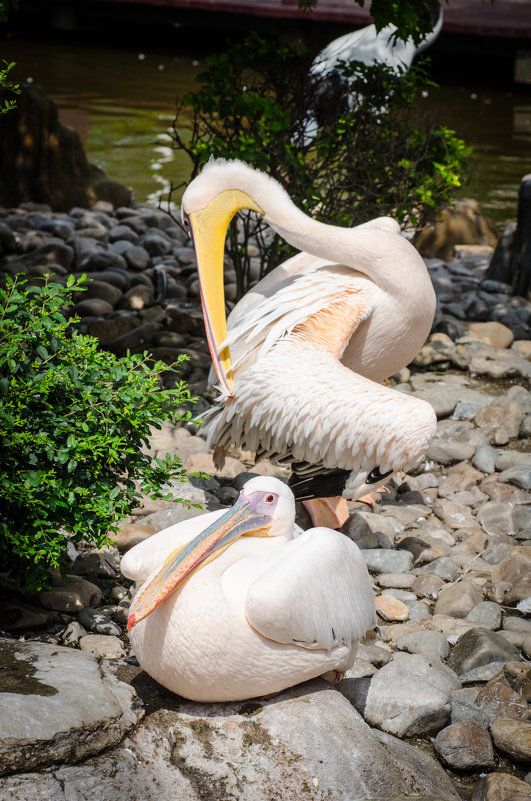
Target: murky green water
[(122, 101)]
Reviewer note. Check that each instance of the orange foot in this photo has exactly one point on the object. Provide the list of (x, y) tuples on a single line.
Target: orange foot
[(370, 499), (327, 512), (333, 676)]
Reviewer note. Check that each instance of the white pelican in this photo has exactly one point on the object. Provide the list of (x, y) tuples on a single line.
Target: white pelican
[(306, 346), (229, 617), (371, 46)]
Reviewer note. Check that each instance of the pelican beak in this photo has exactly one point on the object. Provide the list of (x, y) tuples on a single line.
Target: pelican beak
[(209, 228), (242, 518)]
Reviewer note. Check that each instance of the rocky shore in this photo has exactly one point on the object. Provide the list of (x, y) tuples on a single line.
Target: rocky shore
[(437, 703)]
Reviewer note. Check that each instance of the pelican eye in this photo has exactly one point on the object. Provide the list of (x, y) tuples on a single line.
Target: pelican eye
[(375, 476), (269, 498)]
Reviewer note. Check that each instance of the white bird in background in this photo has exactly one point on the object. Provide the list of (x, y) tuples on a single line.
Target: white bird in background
[(368, 46), (249, 606), (307, 345), (371, 46)]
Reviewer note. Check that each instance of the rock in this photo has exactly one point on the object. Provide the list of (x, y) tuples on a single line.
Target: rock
[(484, 458), (519, 476), (98, 563), (94, 307), (498, 700), (483, 673), (513, 737), (464, 746), (417, 610), (73, 633), (219, 751), (51, 694), (70, 595), (500, 787), (479, 647), (486, 614), (402, 581), (428, 585), (428, 643), (417, 767), (380, 560), (130, 534), (517, 624), (390, 608), (97, 622), (458, 599), (503, 586), (20, 617), (496, 553), (464, 707), (444, 567), (446, 451), (408, 697), (498, 414), (453, 515), (102, 645)]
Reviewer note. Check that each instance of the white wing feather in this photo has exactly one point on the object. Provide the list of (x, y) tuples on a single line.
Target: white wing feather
[(315, 592)]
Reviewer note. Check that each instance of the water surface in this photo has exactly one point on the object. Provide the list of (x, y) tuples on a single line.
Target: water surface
[(121, 100)]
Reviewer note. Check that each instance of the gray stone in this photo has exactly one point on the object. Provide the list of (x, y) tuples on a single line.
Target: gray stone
[(484, 458), (487, 614), (483, 673), (53, 694), (70, 595), (137, 258), (446, 451), (428, 643), (308, 741), (98, 563), (95, 621), (464, 708), (73, 633), (465, 746), (511, 623), (102, 645), (21, 617), (458, 599), (382, 560), (417, 610), (95, 307), (428, 776), (480, 646), (519, 476), (444, 567), (496, 553), (410, 695)]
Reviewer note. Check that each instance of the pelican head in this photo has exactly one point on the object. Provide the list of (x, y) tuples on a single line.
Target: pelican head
[(263, 507)]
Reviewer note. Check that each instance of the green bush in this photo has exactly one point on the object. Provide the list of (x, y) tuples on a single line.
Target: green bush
[(74, 421), (254, 103)]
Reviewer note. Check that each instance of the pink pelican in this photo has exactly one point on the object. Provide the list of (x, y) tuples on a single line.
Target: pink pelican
[(300, 361), (240, 603)]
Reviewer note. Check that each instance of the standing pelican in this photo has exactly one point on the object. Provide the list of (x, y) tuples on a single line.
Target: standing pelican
[(307, 345), (250, 605)]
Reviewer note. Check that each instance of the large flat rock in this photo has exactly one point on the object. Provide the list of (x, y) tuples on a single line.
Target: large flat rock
[(307, 742), (58, 704)]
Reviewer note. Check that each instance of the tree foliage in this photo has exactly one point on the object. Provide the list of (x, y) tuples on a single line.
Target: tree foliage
[(347, 147), (74, 421)]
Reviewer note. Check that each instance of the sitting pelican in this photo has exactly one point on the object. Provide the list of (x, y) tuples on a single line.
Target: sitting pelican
[(305, 348), (249, 606)]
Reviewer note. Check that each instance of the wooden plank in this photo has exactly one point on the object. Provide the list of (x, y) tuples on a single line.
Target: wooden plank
[(504, 18)]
